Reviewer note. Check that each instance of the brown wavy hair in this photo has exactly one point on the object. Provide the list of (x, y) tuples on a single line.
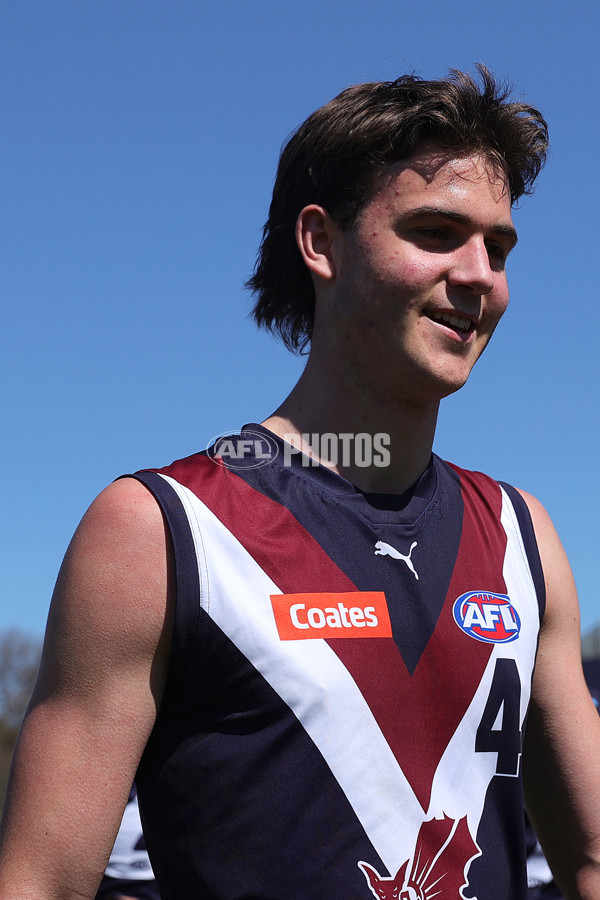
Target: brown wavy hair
[(333, 157)]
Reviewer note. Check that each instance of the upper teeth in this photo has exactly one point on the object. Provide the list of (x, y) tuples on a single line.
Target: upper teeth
[(451, 319)]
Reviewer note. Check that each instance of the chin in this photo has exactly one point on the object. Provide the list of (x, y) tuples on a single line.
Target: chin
[(437, 385), (450, 379)]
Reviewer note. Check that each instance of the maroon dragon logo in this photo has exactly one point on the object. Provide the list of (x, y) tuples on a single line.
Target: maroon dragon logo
[(442, 853)]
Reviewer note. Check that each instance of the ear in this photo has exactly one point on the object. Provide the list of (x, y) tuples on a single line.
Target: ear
[(316, 236), (372, 876)]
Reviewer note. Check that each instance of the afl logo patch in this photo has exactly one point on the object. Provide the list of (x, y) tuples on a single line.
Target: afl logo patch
[(487, 617)]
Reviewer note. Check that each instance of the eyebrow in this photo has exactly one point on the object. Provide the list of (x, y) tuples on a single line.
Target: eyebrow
[(453, 216)]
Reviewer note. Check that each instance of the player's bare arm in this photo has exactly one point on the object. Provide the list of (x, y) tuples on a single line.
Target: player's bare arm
[(405, 222), (95, 701), (562, 774)]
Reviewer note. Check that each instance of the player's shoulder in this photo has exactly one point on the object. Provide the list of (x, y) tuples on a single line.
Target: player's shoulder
[(121, 541), (530, 512), (126, 497), (124, 509), (539, 515), (477, 479), (560, 587), (532, 503)]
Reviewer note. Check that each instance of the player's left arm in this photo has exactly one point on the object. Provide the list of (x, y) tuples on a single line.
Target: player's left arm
[(561, 757)]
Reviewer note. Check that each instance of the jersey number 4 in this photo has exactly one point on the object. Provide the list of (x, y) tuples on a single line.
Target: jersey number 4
[(499, 730)]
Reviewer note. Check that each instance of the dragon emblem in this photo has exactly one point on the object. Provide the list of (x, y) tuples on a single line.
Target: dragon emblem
[(442, 854)]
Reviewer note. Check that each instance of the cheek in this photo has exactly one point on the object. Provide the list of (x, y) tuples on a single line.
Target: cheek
[(404, 273), (417, 272), (499, 304)]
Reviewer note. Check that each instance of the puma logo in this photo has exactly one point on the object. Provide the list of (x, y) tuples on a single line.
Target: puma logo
[(384, 549)]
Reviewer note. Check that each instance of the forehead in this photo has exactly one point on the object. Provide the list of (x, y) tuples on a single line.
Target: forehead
[(470, 184)]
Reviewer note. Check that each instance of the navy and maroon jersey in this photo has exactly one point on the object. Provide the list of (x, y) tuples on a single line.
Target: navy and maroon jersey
[(348, 684)]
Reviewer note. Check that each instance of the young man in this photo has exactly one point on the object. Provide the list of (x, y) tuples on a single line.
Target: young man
[(319, 674)]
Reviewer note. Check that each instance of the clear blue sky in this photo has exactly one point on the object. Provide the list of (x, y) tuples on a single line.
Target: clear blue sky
[(140, 139)]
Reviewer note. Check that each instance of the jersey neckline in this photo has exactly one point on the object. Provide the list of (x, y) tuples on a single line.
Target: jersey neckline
[(401, 508)]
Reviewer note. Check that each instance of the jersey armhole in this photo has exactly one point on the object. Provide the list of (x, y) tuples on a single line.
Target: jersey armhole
[(187, 630), (529, 542)]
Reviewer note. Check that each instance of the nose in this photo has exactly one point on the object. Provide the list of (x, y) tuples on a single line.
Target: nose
[(471, 267)]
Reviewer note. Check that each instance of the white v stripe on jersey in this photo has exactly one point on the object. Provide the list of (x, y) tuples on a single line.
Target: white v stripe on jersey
[(521, 589), (458, 783), (349, 737)]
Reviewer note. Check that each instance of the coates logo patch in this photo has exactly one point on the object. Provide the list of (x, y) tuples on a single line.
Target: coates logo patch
[(353, 614), (487, 617)]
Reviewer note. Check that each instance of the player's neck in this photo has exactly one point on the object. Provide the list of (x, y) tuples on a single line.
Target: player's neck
[(319, 406)]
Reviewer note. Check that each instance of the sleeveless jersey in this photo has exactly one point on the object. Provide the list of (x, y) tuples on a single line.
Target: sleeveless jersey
[(348, 683)]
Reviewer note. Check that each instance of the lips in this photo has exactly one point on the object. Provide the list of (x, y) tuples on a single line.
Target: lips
[(450, 318)]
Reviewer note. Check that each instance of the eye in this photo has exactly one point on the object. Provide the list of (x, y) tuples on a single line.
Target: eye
[(497, 253), (434, 238), (434, 233)]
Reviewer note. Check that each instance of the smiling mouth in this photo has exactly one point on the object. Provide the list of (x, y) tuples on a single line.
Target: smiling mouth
[(464, 326)]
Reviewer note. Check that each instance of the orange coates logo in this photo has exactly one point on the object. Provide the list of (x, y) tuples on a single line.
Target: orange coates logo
[(352, 614)]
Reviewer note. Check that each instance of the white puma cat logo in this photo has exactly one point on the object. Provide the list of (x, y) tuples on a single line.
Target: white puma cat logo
[(387, 550)]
